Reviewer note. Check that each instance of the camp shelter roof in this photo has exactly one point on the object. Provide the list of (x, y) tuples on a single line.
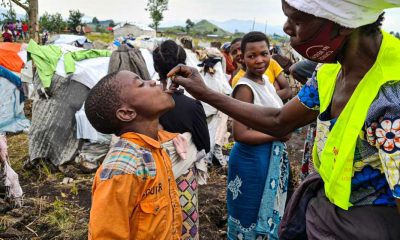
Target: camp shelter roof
[(12, 56), (68, 39)]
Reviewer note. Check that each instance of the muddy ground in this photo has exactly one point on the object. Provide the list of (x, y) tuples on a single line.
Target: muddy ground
[(53, 210)]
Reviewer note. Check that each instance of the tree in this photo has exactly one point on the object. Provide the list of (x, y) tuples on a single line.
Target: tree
[(98, 28), (31, 7), (45, 21), (189, 25), (397, 35), (111, 24), (52, 22), (156, 9), (215, 30), (95, 20), (74, 20), (10, 14)]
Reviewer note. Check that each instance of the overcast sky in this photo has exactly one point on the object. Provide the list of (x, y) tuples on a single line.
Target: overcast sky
[(180, 10)]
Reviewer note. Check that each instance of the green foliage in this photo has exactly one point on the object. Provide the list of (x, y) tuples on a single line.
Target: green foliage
[(111, 24), (52, 22), (156, 9), (105, 37), (59, 215), (189, 25), (204, 27), (95, 20), (201, 28), (74, 189), (10, 15), (99, 28), (74, 19)]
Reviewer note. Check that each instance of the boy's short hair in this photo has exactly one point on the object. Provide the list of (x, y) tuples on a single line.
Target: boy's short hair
[(102, 104), (253, 37)]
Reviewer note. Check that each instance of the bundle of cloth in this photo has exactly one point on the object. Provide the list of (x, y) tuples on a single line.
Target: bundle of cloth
[(13, 56), (209, 62)]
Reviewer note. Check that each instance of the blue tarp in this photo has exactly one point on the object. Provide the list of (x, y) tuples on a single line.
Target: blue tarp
[(12, 118), (14, 79)]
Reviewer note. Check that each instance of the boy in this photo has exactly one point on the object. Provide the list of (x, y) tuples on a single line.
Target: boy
[(134, 191)]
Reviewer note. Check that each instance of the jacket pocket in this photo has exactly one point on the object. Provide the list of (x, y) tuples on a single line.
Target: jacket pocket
[(152, 219)]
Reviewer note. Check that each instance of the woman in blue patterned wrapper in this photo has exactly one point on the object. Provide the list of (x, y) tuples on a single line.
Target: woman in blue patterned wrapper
[(357, 147), (257, 161)]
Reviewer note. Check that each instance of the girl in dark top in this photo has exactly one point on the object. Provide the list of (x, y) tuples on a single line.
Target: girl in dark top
[(188, 116)]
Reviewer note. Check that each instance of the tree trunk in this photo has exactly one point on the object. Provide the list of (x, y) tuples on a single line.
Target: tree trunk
[(33, 20)]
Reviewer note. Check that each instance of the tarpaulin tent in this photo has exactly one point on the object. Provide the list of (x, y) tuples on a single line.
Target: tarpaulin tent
[(12, 118), (53, 134), (68, 39)]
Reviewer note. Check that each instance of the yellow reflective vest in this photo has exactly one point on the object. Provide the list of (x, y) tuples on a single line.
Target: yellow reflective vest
[(335, 162)]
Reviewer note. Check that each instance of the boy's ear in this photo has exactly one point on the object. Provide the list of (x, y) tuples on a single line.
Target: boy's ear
[(125, 114)]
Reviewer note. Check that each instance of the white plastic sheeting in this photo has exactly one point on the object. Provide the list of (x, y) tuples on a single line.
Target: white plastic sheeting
[(68, 39), (148, 58), (88, 72)]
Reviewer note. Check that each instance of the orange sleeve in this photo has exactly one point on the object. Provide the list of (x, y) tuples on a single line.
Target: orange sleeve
[(113, 202)]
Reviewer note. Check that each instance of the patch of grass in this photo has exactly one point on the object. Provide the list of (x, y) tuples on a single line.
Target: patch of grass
[(5, 222), (59, 216), (45, 169), (18, 150), (74, 189), (105, 37)]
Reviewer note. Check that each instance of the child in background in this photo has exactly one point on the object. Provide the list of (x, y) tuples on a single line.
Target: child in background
[(7, 36), (134, 193), (255, 157)]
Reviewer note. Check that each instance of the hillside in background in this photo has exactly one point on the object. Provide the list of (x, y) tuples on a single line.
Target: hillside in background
[(235, 25), (202, 27), (232, 26)]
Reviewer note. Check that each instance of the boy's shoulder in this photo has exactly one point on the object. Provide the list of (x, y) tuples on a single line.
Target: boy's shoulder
[(126, 157)]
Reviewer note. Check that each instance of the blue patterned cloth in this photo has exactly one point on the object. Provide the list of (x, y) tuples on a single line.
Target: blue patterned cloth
[(247, 172), (257, 189), (275, 192), (376, 168)]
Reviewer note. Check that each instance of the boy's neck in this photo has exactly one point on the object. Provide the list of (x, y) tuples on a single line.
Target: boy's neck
[(147, 128)]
